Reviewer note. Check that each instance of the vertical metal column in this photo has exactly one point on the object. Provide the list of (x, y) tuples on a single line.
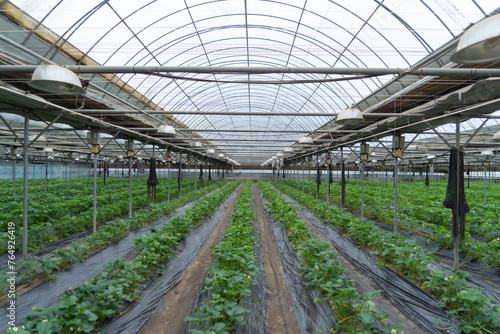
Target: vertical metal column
[(395, 194), (14, 175), (309, 180), (342, 178), (94, 204), (485, 182), (362, 187), (303, 177), (129, 187), (168, 182), (25, 186), (328, 183), (189, 175), (456, 216), (69, 174), (46, 169)]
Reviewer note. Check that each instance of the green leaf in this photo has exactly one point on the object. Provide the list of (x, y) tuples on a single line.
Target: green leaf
[(365, 317), (371, 294), (44, 328)]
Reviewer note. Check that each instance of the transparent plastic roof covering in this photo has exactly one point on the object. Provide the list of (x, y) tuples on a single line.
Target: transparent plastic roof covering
[(319, 33)]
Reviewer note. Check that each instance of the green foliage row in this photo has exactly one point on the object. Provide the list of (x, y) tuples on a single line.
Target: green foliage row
[(232, 272), (47, 267), (468, 305), (352, 311), (86, 307)]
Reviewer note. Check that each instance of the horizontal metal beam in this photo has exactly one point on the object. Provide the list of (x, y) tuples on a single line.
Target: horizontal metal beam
[(239, 113), (254, 130), (467, 72)]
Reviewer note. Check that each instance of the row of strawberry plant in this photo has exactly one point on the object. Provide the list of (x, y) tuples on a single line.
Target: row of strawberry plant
[(71, 223), (468, 305), (352, 311), (439, 231), (86, 307), (232, 272), (47, 267)]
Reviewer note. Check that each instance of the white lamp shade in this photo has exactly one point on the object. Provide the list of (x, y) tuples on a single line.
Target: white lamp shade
[(487, 152), (413, 148), (56, 80), (480, 43), (48, 150), (210, 151), (430, 157), (374, 161), (196, 144), (221, 155), (496, 136), (166, 129), (349, 116), (305, 140), (274, 157), (279, 155), (288, 149)]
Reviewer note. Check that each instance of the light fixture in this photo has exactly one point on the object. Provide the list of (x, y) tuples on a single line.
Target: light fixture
[(220, 155), (48, 149), (166, 129), (496, 136), (274, 157), (374, 161), (195, 144), (305, 140), (413, 148), (210, 151), (39, 139), (279, 155), (349, 116), (430, 157), (56, 80), (487, 152), (480, 43), (288, 149)]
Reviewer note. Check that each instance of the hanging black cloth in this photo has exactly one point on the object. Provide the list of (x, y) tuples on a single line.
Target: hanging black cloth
[(427, 183), (209, 173), (330, 176), (461, 208), (201, 174), (152, 180)]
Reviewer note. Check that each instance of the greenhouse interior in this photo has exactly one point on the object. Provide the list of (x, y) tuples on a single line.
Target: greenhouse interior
[(250, 166)]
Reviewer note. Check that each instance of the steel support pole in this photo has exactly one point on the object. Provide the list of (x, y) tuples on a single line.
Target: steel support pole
[(25, 186), (94, 204), (14, 176), (303, 178), (129, 187), (362, 187), (46, 169), (395, 194), (328, 184), (456, 216), (168, 182), (70, 175), (309, 180), (485, 183)]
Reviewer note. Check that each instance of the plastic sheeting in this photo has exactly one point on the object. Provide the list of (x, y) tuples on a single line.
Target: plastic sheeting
[(406, 296), (48, 293), (311, 317), (135, 315)]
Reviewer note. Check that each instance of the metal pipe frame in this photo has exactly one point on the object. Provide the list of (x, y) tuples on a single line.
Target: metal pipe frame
[(79, 69)]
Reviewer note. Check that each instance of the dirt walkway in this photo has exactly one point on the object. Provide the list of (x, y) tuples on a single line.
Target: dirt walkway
[(177, 304), (280, 316)]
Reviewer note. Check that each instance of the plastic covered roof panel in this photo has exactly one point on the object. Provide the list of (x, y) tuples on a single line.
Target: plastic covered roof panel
[(295, 33)]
